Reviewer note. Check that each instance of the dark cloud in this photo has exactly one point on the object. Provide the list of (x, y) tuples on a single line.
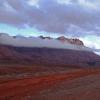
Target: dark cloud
[(74, 18)]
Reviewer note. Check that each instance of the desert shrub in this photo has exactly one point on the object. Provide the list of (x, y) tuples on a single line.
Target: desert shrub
[(91, 63)]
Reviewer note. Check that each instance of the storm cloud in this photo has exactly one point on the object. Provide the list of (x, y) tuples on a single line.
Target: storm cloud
[(74, 17)]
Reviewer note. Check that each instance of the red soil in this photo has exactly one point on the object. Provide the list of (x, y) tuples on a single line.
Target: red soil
[(19, 88)]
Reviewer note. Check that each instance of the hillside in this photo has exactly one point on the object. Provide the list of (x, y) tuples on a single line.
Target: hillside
[(47, 56)]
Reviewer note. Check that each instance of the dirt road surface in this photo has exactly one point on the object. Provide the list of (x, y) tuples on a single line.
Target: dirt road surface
[(83, 84)]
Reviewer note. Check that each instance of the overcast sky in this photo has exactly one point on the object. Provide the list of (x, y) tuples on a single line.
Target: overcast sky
[(72, 18)]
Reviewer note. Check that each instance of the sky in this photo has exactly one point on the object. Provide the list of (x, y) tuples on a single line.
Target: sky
[(71, 18)]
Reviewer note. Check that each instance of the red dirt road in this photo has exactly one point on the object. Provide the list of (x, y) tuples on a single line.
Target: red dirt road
[(18, 89)]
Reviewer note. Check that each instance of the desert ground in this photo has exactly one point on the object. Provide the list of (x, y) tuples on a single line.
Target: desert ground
[(19, 82)]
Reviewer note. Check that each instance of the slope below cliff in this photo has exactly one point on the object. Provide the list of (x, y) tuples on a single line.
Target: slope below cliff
[(47, 56)]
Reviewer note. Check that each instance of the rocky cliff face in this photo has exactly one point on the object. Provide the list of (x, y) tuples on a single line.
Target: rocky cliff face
[(65, 40), (48, 42), (71, 41), (48, 37)]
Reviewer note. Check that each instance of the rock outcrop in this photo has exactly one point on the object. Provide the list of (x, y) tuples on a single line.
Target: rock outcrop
[(71, 41), (48, 37)]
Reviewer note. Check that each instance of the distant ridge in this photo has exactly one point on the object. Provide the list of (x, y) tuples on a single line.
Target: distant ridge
[(48, 42)]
